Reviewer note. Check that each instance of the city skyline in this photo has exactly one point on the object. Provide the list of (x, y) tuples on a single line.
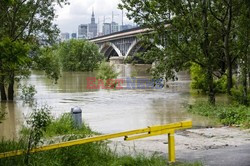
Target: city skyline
[(79, 12)]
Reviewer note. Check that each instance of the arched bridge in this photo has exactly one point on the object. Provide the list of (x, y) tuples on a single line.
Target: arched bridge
[(121, 44)]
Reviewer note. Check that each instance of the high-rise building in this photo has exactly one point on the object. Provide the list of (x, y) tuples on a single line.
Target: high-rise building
[(106, 29), (73, 35), (82, 31), (64, 36), (92, 26), (114, 27)]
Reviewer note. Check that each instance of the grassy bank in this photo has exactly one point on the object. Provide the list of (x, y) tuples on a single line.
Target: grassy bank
[(92, 154), (230, 115)]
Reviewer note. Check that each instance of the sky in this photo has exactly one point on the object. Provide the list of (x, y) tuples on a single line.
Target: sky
[(79, 12)]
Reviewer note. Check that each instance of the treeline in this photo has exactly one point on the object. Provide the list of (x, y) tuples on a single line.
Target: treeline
[(209, 36), (72, 55)]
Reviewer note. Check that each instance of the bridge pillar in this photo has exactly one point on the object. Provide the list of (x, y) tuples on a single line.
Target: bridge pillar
[(116, 60)]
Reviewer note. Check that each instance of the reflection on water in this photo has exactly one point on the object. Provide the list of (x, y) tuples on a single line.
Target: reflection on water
[(106, 111)]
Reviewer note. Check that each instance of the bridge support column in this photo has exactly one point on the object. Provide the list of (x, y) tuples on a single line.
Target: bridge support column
[(116, 60)]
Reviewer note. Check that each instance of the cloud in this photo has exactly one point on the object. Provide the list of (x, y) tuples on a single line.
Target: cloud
[(79, 12)]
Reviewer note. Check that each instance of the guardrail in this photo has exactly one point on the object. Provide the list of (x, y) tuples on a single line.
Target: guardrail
[(128, 135)]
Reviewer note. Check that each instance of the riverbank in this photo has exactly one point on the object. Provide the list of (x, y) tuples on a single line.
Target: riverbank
[(61, 130)]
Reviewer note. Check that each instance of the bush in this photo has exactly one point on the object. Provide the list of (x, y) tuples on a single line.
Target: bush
[(237, 95), (198, 76), (227, 114), (64, 125), (106, 72), (28, 92)]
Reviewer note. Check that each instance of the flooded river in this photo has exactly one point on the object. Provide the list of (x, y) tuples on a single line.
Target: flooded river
[(105, 111)]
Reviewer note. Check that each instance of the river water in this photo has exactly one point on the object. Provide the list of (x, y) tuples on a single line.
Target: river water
[(105, 111)]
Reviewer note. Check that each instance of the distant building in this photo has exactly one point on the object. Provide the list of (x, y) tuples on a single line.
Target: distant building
[(125, 27), (92, 26), (106, 29), (82, 31), (64, 36), (114, 27), (73, 35)]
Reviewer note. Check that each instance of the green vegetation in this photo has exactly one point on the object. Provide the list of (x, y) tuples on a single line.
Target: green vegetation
[(233, 114), (25, 25), (42, 129), (107, 73), (198, 32), (47, 59), (138, 58), (79, 55), (28, 92), (199, 82), (2, 114)]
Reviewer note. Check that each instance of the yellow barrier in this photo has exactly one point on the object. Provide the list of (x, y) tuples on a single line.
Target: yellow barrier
[(145, 132)]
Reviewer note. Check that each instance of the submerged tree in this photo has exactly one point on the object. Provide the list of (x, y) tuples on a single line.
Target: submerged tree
[(23, 22), (79, 55)]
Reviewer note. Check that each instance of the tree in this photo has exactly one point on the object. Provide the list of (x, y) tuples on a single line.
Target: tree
[(183, 31), (192, 32), (15, 64), (25, 21), (79, 55), (46, 59)]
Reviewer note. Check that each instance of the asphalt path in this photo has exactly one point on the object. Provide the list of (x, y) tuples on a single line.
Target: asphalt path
[(228, 156)]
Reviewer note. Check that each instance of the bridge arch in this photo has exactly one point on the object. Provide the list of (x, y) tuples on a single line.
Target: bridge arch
[(136, 46), (109, 49)]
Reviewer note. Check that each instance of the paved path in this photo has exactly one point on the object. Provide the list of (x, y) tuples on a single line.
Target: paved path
[(223, 146), (228, 156)]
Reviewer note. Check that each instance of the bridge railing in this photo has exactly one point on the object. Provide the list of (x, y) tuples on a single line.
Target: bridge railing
[(128, 135)]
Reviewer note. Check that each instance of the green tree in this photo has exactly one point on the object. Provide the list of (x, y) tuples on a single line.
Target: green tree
[(242, 32), (187, 32), (14, 64), (79, 55), (24, 21), (188, 37), (46, 59)]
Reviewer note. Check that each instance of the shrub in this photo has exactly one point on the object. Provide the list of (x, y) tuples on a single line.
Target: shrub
[(237, 95), (227, 114), (28, 92), (198, 76), (106, 72)]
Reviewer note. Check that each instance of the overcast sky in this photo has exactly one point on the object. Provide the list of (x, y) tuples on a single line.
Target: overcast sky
[(79, 12)]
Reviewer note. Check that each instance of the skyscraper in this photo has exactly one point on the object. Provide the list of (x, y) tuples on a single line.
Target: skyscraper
[(82, 31), (106, 29), (114, 27), (93, 26)]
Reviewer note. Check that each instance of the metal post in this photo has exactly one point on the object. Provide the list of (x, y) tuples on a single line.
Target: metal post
[(76, 113), (171, 147)]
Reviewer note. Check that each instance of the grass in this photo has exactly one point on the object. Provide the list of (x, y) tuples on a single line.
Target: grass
[(91, 154), (230, 115)]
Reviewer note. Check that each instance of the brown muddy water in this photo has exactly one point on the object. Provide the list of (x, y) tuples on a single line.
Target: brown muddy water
[(105, 111)]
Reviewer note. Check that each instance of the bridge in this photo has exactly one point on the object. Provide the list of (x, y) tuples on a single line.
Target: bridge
[(120, 45)]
